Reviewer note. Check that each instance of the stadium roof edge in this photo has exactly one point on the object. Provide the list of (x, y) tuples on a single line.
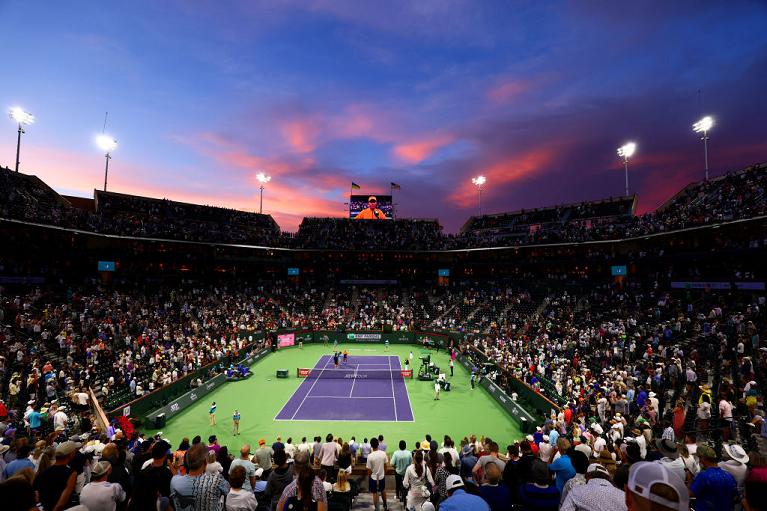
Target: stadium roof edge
[(442, 251)]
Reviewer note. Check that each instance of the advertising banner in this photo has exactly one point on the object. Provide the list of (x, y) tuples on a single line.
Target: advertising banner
[(286, 340)]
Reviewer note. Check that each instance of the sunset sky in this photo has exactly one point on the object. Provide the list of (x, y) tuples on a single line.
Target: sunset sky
[(537, 96)]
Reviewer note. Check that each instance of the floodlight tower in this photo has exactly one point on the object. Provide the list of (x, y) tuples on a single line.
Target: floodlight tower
[(478, 182), (263, 179), (702, 126), (107, 144), (22, 118), (626, 151)]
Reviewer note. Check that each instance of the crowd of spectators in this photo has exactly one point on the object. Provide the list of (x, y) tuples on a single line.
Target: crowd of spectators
[(736, 195), (634, 374)]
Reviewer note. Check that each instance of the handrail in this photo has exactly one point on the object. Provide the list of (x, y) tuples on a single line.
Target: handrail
[(100, 415)]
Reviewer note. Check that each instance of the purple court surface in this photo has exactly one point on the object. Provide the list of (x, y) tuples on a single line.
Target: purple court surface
[(326, 398)]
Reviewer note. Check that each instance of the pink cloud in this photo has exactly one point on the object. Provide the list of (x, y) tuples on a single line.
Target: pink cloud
[(301, 134), (507, 91), (416, 152), (508, 169)]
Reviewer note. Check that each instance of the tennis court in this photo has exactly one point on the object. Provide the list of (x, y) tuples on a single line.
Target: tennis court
[(367, 388)]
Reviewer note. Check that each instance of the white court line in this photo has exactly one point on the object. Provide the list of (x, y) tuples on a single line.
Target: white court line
[(336, 420), (354, 380), (409, 401), (311, 388), (391, 377), (344, 397)]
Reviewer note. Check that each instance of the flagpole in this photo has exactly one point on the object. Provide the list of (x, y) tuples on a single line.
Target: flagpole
[(393, 208)]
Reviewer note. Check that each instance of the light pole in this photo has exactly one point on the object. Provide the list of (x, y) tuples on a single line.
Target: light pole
[(107, 144), (263, 179), (478, 182), (626, 151), (22, 118), (702, 126)]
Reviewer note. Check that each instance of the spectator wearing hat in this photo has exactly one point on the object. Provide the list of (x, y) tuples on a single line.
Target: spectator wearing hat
[(152, 483), (735, 460), (100, 494), (596, 494), (713, 488), (539, 493), (56, 484), (263, 457), (468, 461), (545, 450), (670, 457), (653, 486), (260, 481), (459, 500)]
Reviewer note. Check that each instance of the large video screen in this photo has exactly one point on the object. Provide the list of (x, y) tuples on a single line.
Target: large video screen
[(361, 207)]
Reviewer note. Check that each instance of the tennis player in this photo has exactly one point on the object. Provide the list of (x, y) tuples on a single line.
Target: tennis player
[(346, 357), (335, 359), (386, 345), (212, 413)]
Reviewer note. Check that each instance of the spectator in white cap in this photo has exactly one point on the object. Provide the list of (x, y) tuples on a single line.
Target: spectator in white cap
[(100, 494), (653, 486), (459, 500), (545, 449), (260, 483), (596, 495)]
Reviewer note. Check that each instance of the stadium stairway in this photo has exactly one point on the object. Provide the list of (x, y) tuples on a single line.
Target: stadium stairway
[(355, 305)]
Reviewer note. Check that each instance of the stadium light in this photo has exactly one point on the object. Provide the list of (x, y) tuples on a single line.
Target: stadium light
[(263, 179), (478, 182), (107, 144), (22, 118), (626, 151), (702, 126)]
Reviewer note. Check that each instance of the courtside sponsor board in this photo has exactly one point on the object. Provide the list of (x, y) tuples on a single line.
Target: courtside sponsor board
[(363, 337)]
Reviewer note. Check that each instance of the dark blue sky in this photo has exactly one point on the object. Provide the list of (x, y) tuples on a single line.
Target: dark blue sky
[(537, 96)]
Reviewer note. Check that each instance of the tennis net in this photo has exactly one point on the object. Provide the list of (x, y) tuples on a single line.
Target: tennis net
[(354, 374)]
